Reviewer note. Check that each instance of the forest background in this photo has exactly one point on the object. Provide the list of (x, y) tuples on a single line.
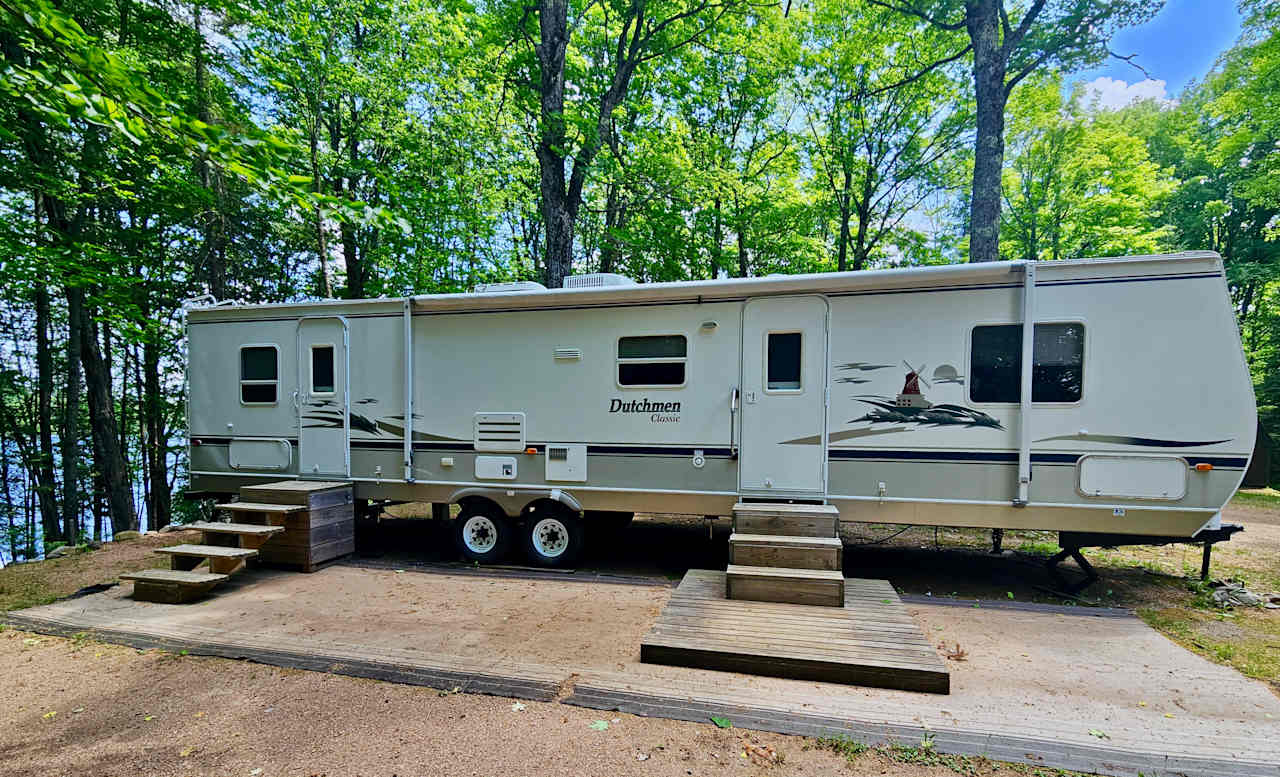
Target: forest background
[(152, 152)]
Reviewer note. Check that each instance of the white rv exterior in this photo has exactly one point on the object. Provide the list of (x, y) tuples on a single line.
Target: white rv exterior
[(896, 395)]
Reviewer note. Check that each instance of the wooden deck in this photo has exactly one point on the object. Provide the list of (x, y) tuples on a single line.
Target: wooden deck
[(871, 641)]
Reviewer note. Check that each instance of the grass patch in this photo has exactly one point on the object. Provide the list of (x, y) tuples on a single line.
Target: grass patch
[(1258, 497), (1045, 549), (1244, 639), (843, 745), (34, 583), (924, 754)]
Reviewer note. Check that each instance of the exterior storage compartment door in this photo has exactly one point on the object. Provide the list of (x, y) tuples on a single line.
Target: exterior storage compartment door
[(1133, 477), (322, 398), (784, 396)]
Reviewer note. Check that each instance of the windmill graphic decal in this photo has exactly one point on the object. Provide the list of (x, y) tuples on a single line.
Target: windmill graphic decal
[(911, 396), (912, 408)]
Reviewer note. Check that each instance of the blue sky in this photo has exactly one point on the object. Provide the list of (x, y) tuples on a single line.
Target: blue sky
[(1180, 44)]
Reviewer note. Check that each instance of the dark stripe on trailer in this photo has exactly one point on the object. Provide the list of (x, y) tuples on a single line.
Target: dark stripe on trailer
[(835, 454), (999, 457), (541, 447), (1131, 279)]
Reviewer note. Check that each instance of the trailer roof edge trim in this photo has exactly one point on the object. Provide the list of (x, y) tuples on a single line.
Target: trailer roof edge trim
[(902, 278)]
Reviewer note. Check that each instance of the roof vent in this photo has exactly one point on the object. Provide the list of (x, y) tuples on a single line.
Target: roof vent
[(509, 286), (597, 280)]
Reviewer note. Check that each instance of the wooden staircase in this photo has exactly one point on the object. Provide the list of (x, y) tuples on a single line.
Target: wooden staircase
[(786, 553), (295, 524)]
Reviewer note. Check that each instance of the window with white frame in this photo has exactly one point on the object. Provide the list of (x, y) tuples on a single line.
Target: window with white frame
[(259, 374), (652, 361)]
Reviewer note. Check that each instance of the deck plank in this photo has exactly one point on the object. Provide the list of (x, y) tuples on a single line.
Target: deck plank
[(260, 507), (207, 551), (250, 529), (871, 641)]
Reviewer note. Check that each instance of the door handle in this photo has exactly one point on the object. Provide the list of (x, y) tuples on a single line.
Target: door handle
[(733, 426)]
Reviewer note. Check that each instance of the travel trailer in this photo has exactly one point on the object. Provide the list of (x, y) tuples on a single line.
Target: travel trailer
[(1099, 395)]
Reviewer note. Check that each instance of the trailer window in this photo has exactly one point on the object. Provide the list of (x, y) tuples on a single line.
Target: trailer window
[(322, 380), (783, 367), (1057, 372), (259, 374), (655, 360)]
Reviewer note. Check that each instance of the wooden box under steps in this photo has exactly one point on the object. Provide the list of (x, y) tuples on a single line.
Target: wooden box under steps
[(324, 529)]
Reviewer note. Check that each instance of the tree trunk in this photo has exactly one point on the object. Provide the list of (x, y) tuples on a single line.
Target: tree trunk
[(553, 28), (989, 65), (71, 415), (45, 480), (842, 258), (214, 248), (860, 247), (357, 272), (351, 255), (9, 513), (160, 506), (717, 250), (322, 247), (102, 421), (615, 216)]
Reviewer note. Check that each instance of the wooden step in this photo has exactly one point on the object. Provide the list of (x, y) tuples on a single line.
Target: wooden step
[(312, 494), (171, 586), (222, 560), (824, 587), (772, 550), (245, 529), (260, 507), (788, 520), (208, 551)]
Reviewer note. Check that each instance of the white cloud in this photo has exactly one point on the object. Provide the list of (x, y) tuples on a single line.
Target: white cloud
[(1112, 93)]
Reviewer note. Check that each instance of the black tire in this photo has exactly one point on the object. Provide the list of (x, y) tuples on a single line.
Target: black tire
[(608, 520), (553, 537), (483, 534)]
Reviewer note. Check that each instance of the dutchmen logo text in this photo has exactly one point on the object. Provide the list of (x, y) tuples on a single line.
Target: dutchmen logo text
[(659, 412)]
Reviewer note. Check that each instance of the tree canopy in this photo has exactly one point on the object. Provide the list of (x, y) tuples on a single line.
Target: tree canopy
[(152, 153)]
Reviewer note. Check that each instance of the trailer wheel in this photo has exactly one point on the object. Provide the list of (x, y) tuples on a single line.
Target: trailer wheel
[(482, 533), (553, 538)]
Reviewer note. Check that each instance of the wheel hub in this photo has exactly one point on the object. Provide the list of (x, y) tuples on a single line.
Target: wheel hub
[(480, 534), (550, 537)]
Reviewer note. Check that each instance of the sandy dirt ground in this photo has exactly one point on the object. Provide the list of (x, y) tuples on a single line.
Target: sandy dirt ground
[(155, 713), (1058, 676), (70, 707)]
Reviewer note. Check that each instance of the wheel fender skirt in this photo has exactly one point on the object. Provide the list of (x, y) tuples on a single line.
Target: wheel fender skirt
[(512, 500)]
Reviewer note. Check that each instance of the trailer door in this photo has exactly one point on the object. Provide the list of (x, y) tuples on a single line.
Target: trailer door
[(322, 398), (784, 397)]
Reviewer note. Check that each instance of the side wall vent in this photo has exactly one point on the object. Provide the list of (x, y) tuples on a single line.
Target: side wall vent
[(499, 432), (568, 354)]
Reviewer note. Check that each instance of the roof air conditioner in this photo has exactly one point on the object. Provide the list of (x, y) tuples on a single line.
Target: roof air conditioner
[(597, 280), (509, 286)]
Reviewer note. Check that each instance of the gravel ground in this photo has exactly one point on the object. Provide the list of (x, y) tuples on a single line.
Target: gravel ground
[(72, 707)]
